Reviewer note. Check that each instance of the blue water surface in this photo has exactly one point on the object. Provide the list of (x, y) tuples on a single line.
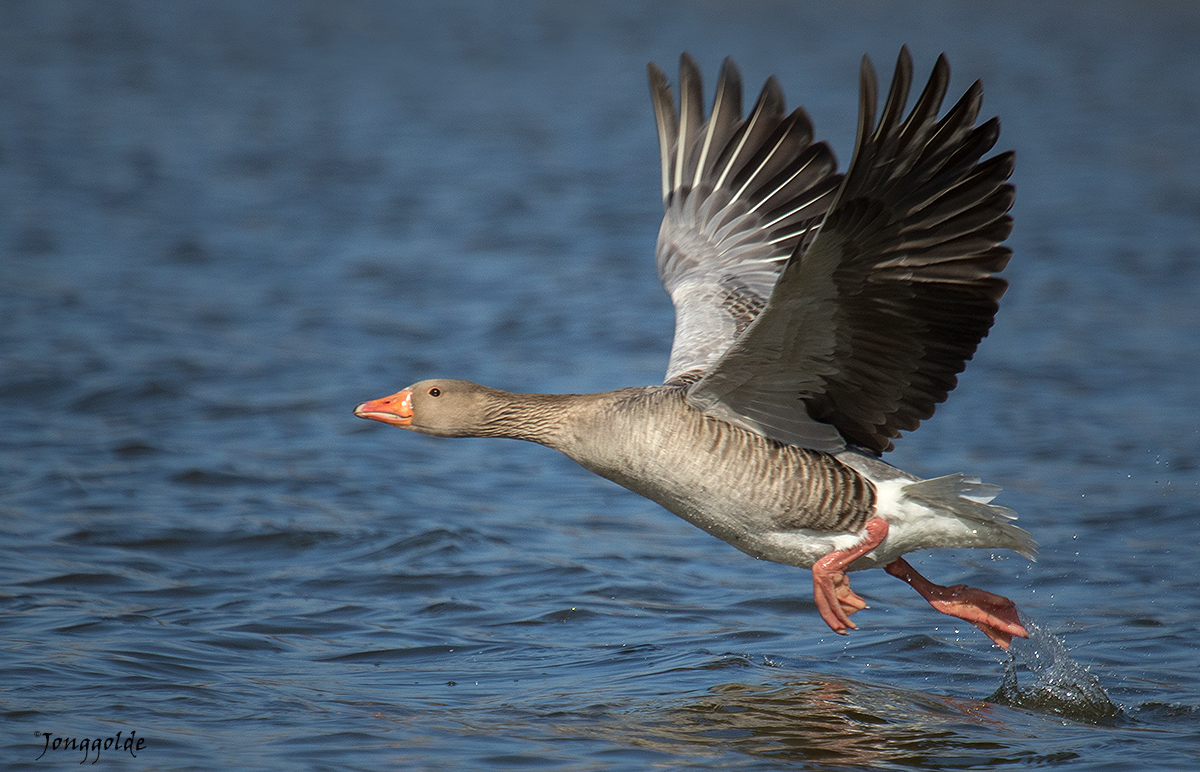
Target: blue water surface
[(223, 224)]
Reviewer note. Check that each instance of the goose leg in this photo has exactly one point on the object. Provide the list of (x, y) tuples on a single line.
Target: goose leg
[(831, 589), (994, 614)]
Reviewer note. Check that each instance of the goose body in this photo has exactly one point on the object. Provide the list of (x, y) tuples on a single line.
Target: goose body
[(817, 316)]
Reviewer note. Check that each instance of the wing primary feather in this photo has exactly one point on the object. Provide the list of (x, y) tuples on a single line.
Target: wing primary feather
[(893, 109), (867, 100), (666, 121), (691, 113), (726, 114)]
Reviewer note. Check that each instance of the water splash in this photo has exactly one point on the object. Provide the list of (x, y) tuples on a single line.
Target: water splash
[(1058, 684)]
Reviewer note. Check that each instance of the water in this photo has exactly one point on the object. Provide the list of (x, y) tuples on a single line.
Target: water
[(223, 226), (1056, 683)]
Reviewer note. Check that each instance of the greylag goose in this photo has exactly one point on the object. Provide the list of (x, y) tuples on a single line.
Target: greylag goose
[(818, 316)]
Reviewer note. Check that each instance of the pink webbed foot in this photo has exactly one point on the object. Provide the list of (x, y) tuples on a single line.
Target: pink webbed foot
[(831, 589), (994, 614)]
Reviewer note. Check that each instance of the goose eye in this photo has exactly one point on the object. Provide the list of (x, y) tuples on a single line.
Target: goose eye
[(435, 392)]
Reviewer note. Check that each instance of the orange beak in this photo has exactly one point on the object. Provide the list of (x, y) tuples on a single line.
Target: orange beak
[(395, 410)]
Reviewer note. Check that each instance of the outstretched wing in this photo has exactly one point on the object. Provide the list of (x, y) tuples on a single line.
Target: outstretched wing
[(867, 328), (740, 195)]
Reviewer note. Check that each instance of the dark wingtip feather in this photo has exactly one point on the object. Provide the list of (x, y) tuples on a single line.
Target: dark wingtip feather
[(868, 98), (893, 109), (772, 95), (729, 88), (729, 70), (658, 78), (666, 121), (691, 117), (689, 74)]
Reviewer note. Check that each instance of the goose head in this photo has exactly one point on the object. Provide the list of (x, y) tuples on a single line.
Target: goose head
[(439, 407)]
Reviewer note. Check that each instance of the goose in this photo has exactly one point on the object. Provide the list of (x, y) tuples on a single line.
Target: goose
[(817, 316)]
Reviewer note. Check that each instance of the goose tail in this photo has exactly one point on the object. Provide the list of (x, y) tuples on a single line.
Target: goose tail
[(968, 499)]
